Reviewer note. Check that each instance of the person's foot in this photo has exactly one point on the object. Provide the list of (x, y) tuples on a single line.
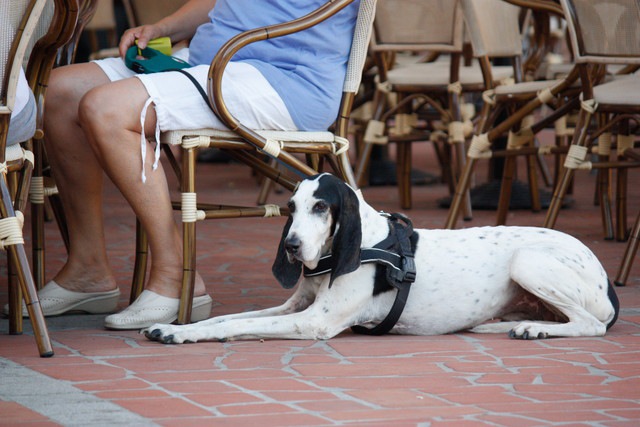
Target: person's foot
[(151, 307), (56, 300)]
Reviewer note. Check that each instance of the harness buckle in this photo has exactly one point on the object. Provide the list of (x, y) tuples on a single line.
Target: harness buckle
[(404, 276), (409, 269)]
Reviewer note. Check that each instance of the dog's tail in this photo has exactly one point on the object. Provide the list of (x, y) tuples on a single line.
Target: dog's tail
[(615, 302)]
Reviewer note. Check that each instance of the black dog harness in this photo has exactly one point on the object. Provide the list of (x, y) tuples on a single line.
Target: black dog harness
[(394, 253)]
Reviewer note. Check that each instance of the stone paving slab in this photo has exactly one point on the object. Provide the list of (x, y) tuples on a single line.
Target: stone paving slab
[(100, 377)]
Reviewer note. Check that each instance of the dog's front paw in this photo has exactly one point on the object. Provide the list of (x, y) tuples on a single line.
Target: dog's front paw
[(166, 334), (529, 331)]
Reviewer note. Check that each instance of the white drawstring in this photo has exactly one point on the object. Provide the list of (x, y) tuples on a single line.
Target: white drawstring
[(143, 141)]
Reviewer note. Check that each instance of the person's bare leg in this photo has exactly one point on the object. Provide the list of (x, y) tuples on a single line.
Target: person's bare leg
[(112, 126), (78, 176)]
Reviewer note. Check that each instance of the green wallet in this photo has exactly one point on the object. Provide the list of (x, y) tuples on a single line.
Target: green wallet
[(150, 61)]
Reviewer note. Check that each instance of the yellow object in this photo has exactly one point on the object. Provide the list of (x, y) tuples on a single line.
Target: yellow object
[(161, 44)]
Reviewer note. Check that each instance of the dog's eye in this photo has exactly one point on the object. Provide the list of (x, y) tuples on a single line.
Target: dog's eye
[(291, 206), (320, 207)]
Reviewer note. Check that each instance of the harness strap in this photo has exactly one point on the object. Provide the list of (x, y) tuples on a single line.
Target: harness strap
[(367, 256), (392, 318), (400, 269), (400, 278)]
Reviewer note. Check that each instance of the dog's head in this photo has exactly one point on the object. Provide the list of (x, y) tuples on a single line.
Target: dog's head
[(324, 218)]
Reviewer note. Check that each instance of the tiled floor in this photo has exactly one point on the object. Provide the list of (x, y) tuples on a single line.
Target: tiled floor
[(100, 377)]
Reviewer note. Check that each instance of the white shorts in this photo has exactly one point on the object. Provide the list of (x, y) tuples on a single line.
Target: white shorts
[(249, 97)]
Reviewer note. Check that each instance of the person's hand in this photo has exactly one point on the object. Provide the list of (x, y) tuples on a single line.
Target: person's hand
[(143, 34)]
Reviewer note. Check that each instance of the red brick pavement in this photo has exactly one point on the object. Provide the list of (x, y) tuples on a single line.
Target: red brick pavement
[(114, 378)]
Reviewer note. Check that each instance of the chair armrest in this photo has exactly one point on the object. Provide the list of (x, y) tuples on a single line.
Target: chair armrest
[(231, 47)]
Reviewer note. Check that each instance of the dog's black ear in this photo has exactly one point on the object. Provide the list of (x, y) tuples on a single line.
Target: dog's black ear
[(345, 248), (287, 273)]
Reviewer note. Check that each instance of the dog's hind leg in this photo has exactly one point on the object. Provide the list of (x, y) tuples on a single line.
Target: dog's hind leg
[(571, 284)]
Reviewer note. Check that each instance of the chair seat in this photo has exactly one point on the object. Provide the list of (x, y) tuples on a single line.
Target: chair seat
[(620, 91), (525, 87), (14, 152), (176, 137), (437, 74)]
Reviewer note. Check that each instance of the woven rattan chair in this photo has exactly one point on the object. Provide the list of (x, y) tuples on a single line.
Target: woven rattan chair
[(250, 146), (499, 35), (407, 89), (604, 32), (19, 21), (56, 47)]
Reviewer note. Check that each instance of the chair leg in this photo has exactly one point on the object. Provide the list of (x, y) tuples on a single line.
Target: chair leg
[(404, 173), (18, 258), (37, 214), (29, 292), (505, 190), (362, 173), (15, 299), (140, 264), (462, 188), (603, 199), (188, 185), (580, 139), (629, 254), (621, 205), (37, 242), (188, 272), (461, 160), (534, 191)]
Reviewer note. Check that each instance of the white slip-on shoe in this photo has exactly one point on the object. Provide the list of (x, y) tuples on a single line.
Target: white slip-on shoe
[(56, 300), (150, 308)]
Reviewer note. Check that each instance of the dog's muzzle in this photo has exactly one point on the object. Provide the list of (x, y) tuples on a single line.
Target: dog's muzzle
[(292, 246)]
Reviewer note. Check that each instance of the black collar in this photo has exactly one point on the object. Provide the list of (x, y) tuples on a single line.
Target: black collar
[(396, 254)]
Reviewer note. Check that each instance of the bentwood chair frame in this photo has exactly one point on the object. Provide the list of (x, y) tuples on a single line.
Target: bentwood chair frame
[(427, 91), (430, 27), (56, 48), (612, 104), (20, 23), (521, 138), (250, 146)]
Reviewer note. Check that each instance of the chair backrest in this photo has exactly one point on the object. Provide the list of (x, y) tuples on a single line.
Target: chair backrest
[(418, 25), (604, 31), (493, 27), (18, 21), (359, 45), (43, 26)]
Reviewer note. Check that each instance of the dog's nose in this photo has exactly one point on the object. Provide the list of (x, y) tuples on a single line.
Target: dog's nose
[(292, 245)]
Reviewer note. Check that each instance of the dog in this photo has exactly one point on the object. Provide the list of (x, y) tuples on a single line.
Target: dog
[(528, 282)]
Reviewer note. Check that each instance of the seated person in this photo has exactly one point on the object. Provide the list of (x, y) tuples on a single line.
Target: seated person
[(22, 125), (98, 114)]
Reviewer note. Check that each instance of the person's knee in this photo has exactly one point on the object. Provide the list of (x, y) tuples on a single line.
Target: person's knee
[(94, 110), (62, 90), (102, 114), (67, 86)]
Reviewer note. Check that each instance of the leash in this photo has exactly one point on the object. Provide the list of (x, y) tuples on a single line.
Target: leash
[(396, 254)]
